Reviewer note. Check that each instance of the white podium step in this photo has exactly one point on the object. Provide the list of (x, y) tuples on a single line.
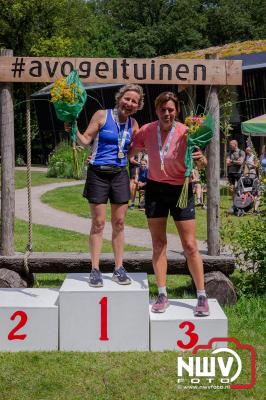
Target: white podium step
[(178, 329), (112, 318), (28, 319)]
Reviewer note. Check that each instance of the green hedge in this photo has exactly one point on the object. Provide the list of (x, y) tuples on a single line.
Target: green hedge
[(60, 164)]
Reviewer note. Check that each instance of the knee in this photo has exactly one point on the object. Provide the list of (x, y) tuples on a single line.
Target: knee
[(118, 225), (190, 248), (159, 246), (97, 226)]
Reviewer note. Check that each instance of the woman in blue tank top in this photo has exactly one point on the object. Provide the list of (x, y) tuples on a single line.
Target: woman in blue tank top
[(110, 132)]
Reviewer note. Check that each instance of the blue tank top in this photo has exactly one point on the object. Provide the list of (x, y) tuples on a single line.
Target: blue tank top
[(105, 145)]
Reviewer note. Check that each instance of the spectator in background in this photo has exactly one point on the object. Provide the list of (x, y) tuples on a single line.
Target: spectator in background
[(140, 182), (234, 161), (263, 160), (134, 163), (197, 188), (250, 165)]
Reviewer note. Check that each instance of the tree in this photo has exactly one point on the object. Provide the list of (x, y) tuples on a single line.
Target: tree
[(231, 21), (154, 27), (53, 28)]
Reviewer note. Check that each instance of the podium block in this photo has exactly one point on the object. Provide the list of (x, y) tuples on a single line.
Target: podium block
[(112, 318), (28, 319), (178, 329)]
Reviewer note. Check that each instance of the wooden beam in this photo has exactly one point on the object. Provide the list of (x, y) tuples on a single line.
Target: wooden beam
[(213, 174), (133, 262), (7, 165), (118, 70)]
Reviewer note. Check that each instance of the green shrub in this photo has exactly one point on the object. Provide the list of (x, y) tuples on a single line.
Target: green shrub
[(248, 243), (60, 164), (19, 161)]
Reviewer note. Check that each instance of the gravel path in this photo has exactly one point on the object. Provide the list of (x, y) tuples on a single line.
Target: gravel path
[(46, 215)]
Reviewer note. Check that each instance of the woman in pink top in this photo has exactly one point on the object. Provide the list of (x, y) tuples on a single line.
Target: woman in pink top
[(165, 143)]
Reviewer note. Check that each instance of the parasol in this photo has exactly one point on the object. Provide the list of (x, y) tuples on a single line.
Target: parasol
[(255, 126)]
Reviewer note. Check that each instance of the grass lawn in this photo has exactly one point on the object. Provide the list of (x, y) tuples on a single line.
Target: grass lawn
[(132, 375), (60, 240), (49, 239), (37, 178), (70, 199)]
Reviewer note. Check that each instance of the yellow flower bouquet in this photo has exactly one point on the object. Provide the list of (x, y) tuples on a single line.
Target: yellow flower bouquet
[(69, 96), (200, 130)]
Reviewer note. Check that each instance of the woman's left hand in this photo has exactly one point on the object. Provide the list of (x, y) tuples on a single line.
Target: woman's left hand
[(199, 157)]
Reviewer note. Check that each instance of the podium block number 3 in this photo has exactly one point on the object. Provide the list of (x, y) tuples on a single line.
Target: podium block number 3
[(103, 302), (193, 336), (21, 322)]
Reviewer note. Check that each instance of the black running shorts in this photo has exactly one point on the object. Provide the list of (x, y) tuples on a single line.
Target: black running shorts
[(162, 198), (101, 186)]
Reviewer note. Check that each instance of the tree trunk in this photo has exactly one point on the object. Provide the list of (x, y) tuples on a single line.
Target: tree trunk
[(213, 174), (7, 166)]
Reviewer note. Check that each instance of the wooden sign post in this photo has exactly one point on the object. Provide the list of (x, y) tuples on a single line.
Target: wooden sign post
[(210, 72), (213, 175), (109, 70), (7, 165)]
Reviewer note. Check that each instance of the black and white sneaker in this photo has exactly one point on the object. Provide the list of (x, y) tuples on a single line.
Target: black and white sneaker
[(96, 279), (120, 276)]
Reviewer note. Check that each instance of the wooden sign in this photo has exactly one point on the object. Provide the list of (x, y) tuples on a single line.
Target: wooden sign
[(116, 70)]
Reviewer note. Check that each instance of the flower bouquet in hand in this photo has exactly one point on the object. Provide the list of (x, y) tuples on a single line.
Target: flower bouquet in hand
[(199, 133), (69, 96)]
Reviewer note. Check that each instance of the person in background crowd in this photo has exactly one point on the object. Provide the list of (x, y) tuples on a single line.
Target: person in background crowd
[(134, 163), (263, 160), (197, 188), (235, 160), (140, 181), (250, 164)]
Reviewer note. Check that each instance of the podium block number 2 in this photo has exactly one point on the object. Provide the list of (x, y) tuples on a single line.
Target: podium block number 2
[(103, 303), (13, 335)]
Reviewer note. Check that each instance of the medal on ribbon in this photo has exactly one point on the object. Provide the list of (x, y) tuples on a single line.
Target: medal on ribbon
[(121, 154), (121, 137), (166, 148)]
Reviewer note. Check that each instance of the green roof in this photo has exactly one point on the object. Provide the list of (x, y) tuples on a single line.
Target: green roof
[(227, 50)]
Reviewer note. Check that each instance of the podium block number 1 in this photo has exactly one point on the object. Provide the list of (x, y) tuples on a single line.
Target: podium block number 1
[(22, 322), (104, 303)]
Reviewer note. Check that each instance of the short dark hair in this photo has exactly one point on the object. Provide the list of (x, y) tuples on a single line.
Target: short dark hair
[(166, 96)]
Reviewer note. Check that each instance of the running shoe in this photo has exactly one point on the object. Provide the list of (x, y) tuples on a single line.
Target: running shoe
[(160, 304), (121, 277), (202, 307), (96, 279)]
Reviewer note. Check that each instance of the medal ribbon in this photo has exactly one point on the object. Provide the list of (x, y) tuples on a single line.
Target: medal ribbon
[(121, 138), (166, 148)]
